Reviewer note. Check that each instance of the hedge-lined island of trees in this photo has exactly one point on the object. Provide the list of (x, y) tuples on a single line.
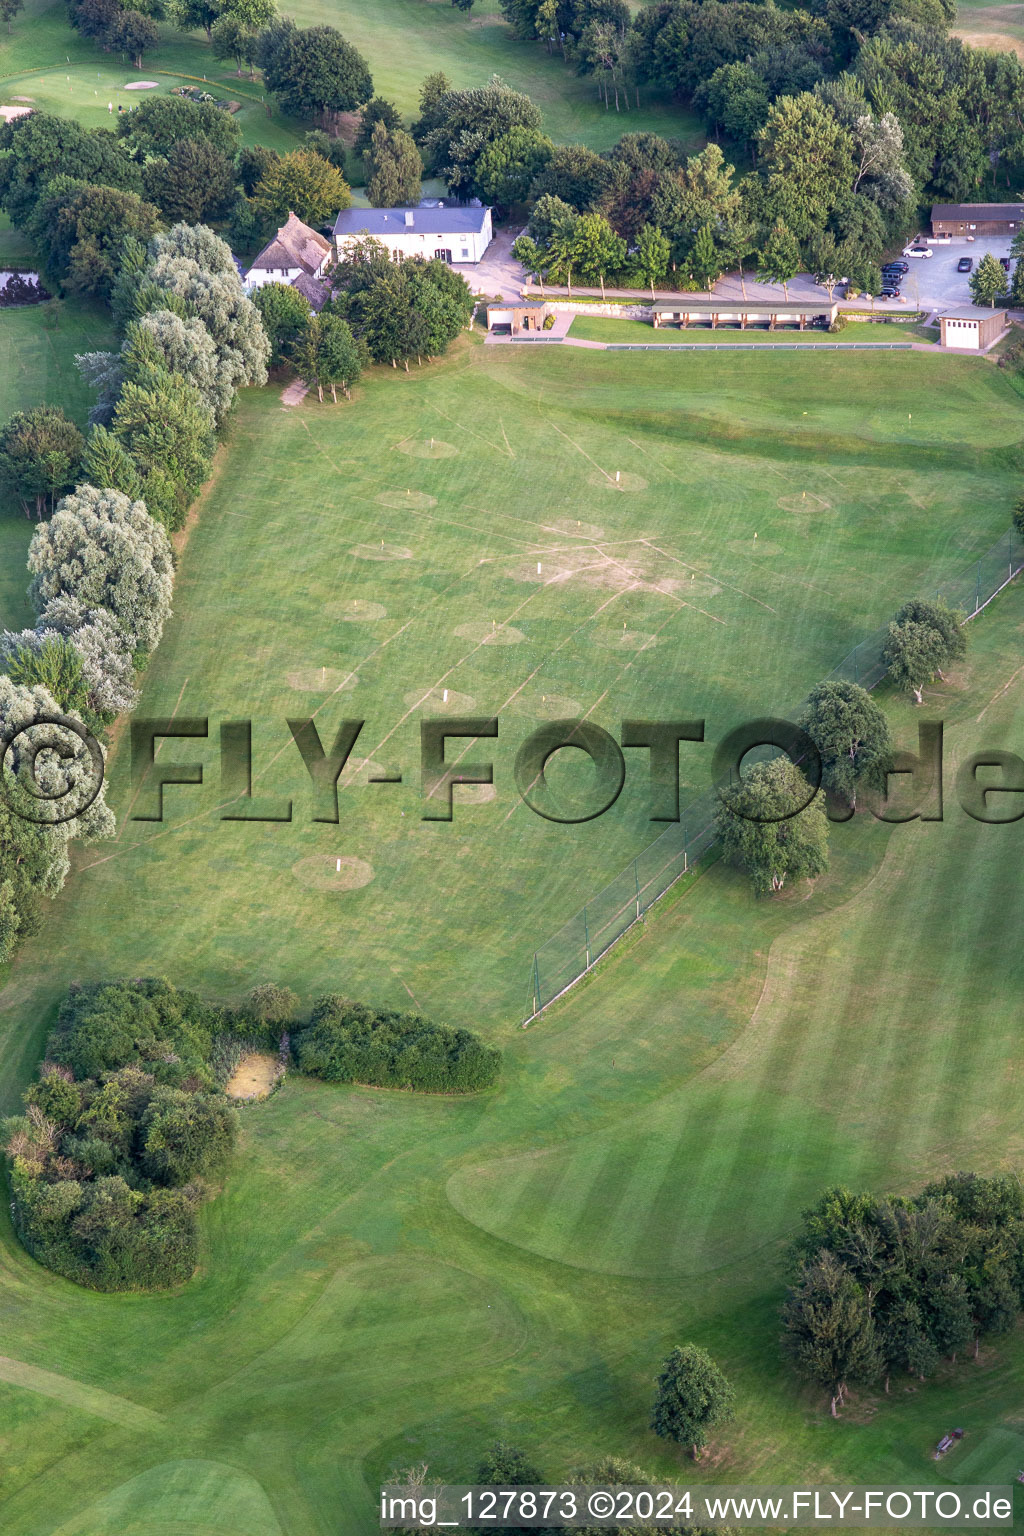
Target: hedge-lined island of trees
[(128, 1128)]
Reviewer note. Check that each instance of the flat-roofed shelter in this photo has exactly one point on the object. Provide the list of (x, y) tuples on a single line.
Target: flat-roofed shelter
[(514, 317), (977, 218), (971, 329), (746, 314)]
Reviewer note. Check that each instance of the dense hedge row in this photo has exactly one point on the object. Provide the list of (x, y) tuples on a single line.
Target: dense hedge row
[(346, 1042)]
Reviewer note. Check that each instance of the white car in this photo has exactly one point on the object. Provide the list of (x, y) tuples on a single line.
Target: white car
[(917, 250)]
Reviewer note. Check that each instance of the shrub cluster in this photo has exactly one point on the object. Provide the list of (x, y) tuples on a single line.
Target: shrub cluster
[(118, 1135), (346, 1042), (888, 1286)]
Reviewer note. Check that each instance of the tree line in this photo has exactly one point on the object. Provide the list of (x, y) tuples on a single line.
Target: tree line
[(889, 1286)]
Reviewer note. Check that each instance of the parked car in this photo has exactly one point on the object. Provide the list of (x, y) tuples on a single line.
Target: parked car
[(889, 293), (1004, 262), (964, 264), (896, 266), (918, 251)]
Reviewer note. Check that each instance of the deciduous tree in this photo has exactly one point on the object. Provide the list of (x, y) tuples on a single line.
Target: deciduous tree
[(693, 1397)]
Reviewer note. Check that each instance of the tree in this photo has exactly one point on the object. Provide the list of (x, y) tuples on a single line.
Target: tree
[(988, 282), (188, 15), (158, 123), (706, 263), (233, 38), (285, 314), (185, 1135), (594, 250), (923, 638), (168, 431), (851, 734), (133, 34), (828, 1329), (651, 256), (693, 1397), (194, 242), (106, 652), (826, 261), (340, 356), (8, 10), (1017, 285), (464, 123), (780, 258), (315, 73), (508, 166), (807, 159), (37, 148), (789, 836), (216, 298), (327, 355), (34, 858), (44, 658), (106, 552), (575, 174), (81, 229), (377, 110), (107, 462), (194, 182), (432, 106), (304, 183), (394, 167), (736, 100), (40, 455)]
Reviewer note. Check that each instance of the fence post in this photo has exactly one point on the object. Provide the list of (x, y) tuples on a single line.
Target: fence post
[(586, 937)]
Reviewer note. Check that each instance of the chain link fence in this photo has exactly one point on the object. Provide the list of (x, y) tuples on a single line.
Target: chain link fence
[(571, 952)]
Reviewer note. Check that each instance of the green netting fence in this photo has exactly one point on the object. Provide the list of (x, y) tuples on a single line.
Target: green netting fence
[(571, 952)]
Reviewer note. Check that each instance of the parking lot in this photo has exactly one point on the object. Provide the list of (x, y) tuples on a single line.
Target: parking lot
[(933, 281)]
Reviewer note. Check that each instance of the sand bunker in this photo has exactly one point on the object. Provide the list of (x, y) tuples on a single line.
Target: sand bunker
[(576, 529), (253, 1078), (9, 113), (427, 448), (805, 502), (328, 872), (380, 552), (626, 481), (143, 85), (433, 699), (406, 501), (322, 680), (356, 611), (485, 633)]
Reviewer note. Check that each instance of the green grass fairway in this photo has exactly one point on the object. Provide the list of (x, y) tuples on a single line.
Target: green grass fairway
[(37, 364), (638, 332), (403, 41), (634, 1178)]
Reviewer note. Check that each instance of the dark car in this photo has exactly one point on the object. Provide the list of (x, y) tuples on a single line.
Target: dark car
[(889, 293), (896, 266), (964, 264), (1004, 262)]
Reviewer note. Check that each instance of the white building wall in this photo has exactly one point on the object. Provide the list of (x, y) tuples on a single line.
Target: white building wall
[(963, 333), (463, 247)]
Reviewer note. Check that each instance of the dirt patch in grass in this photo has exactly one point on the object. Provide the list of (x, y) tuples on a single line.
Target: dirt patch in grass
[(357, 610), (804, 503), (253, 1078), (380, 552), (427, 448), (328, 872), (485, 632), (413, 501), (321, 680), (626, 481)]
